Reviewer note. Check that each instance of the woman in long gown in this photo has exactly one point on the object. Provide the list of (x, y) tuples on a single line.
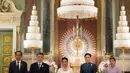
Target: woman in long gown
[(65, 68)]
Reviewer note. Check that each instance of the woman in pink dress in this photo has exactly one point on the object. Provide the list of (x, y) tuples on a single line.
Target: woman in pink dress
[(112, 67)]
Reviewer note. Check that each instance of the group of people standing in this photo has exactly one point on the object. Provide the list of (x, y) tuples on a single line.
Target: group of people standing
[(20, 66)]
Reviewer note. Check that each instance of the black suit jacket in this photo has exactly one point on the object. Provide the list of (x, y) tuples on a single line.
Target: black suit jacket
[(35, 69), (13, 67)]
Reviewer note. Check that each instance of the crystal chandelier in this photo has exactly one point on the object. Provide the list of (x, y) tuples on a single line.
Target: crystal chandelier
[(123, 36), (33, 35), (71, 8)]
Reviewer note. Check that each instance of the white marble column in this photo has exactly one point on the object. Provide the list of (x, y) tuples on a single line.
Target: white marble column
[(115, 13), (103, 25), (52, 27), (42, 10)]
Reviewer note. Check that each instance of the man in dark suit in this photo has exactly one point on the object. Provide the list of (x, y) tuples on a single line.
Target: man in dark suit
[(18, 66), (88, 67), (39, 66)]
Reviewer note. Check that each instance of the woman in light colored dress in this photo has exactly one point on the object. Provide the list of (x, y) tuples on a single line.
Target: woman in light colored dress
[(112, 67), (65, 68)]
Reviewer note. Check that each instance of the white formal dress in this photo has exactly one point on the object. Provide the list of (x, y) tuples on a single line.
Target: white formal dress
[(60, 70)]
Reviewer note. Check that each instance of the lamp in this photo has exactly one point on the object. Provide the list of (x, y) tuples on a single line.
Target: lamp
[(33, 35), (123, 36), (71, 8)]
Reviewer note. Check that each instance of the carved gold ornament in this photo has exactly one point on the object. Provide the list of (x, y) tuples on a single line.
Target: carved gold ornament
[(7, 39), (7, 49), (6, 60), (5, 70)]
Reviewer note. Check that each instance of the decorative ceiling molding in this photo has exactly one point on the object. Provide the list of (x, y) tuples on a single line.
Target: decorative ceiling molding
[(9, 13), (8, 6)]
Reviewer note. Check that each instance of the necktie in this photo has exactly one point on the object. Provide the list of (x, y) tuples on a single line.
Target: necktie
[(39, 65), (18, 65)]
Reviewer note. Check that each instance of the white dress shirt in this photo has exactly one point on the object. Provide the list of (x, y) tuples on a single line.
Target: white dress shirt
[(18, 62)]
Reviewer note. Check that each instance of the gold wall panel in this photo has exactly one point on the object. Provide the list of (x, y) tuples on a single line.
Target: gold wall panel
[(5, 70), (6, 59), (7, 49), (7, 39)]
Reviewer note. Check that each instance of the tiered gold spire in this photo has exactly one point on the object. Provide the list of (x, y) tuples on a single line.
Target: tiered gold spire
[(77, 39)]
